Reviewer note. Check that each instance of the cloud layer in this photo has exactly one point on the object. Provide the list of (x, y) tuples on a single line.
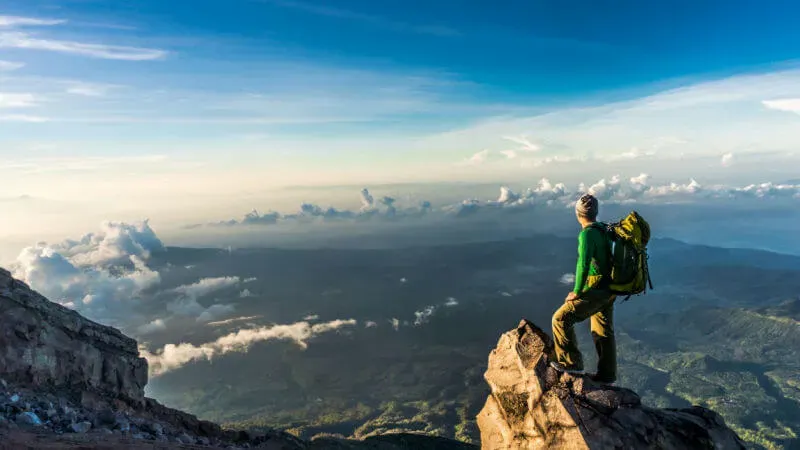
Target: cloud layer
[(636, 189), (173, 356)]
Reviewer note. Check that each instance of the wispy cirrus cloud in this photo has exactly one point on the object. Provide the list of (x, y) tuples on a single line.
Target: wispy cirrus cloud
[(26, 41), (22, 118), (786, 104), (89, 89), (18, 21), (368, 19), (7, 66), (17, 100)]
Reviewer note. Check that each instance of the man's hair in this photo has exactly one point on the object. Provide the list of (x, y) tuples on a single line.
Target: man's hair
[(587, 207)]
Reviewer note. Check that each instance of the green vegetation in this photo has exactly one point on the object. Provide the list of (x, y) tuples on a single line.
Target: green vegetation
[(722, 336)]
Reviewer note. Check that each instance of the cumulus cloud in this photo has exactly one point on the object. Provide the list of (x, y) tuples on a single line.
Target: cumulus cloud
[(173, 356), (187, 303), (567, 278), (727, 159), (395, 322), (79, 274), (205, 286), (382, 208), (424, 315), (246, 293), (787, 104), (370, 324), (114, 243), (616, 189)]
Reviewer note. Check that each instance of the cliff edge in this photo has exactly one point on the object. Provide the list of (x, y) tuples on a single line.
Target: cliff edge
[(67, 382), (532, 406)]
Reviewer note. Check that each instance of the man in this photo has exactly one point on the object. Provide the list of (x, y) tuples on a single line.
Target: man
[(590, 298)]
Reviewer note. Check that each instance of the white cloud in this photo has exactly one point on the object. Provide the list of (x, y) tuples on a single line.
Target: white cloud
[(727, 159), (151, 327), (89, 89), (370, 324), (206, 286), (102, 275), (424, 315), (246, 294), (633, 153), (23, 118), (451, 301), (173, 356), (687, 119), (311, 318), (7, 66), (395, 323), (187, 304), (21, 40), (478, 158), (250, 280), (636, 189), (233, 320), (525, 145), (567, 278), (17, 100), (786, 104), (17, 21)]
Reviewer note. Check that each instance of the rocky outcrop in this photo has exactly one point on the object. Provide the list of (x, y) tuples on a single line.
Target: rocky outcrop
[(532, 406), (68, 382), (46, 344)]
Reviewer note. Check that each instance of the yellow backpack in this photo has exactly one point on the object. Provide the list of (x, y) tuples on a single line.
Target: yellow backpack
[(630, 274)]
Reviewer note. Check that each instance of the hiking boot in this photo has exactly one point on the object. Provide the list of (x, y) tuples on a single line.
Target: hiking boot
[(602, 380), (561, 368)]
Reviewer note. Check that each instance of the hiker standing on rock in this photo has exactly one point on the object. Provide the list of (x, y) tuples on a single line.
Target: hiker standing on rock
[(590, 298)]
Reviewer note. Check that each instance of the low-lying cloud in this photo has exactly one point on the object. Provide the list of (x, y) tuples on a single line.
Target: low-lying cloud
[(174, 356), (616, 189), (101, 275)]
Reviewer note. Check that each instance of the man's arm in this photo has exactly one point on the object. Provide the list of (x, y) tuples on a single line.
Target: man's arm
[(584, 260)]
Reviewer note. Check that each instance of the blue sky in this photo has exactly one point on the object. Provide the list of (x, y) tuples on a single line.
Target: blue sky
[(162, 102)]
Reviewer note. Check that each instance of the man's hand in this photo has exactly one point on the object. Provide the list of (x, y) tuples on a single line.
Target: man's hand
[(572, 296)]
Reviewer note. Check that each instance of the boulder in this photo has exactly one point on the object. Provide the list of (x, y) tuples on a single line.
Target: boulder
[(532, 406)]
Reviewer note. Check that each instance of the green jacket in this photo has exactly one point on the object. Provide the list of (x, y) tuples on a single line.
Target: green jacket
[(594, 258)]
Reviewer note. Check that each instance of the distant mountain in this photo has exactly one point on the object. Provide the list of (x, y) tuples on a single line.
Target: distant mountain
[(711, 308)]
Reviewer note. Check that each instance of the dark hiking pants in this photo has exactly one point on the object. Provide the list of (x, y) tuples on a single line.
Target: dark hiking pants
[(598, 305)]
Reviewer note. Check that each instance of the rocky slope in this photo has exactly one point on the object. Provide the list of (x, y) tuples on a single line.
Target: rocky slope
[(68, 382), (532, 406)]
